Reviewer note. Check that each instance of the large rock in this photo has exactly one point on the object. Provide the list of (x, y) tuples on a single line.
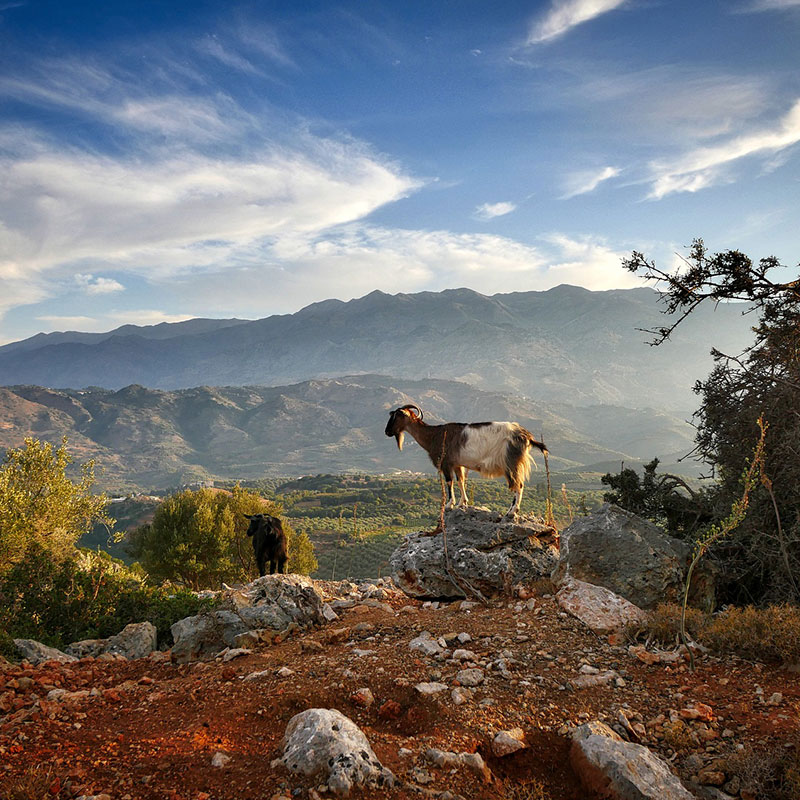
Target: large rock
[(486, 551), (273, 602), (37, 653), (630, 556), (324, 742), (136, 640), (615, 770), (597, 607)]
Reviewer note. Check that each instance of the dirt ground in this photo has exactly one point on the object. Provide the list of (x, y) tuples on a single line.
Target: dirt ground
[(149, 729)]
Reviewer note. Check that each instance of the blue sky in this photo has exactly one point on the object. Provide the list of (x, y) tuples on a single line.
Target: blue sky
[(166, 160)]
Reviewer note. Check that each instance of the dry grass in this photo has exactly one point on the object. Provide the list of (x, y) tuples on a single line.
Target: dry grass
[(35, 784), (772, 774), (529, 790), (761, 634)]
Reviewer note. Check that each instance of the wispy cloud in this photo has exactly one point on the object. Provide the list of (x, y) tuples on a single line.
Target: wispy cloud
[(491, 210), (771, 5), (587, 181), (567, 14), (211, 46), (705, 166)]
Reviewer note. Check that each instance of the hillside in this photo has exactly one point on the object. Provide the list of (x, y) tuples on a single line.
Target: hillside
[(154, 439), (170, 719), (565, 345)]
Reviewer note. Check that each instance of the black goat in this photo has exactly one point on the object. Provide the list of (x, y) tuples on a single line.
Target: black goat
[(269, 542)]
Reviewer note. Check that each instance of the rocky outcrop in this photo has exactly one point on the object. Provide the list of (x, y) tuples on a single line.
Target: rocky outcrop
[(322, 741), (597, 607), (272, 603), (38, 653), (616, 770), (630, 556), (486, 552), (136, 640)]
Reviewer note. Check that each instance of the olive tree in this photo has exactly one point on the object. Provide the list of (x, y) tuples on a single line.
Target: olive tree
[(41, 505)]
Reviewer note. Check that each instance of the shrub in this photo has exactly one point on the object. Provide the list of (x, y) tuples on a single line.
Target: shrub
[(199, 539), (84, 596), (761, 634), (767, 774), (764, 634)]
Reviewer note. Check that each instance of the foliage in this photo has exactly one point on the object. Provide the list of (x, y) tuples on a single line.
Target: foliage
[(659, 498), (762, 558), (770, 634), (85, 595), (199, 539), (41, 505)]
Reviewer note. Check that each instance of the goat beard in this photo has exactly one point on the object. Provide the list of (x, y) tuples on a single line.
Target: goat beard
[(400, 436)]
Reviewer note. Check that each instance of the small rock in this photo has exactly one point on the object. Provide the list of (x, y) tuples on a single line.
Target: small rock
[(775, 699), (284, 672), (508, 742), (470, 677), (362, 697), (220, 759), (430, 688), (461, 695), (236, 652)]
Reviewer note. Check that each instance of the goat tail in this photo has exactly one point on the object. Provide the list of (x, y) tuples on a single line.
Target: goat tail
[(519, 455)]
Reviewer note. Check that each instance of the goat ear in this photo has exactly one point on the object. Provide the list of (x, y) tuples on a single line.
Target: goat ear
[(247, 516)]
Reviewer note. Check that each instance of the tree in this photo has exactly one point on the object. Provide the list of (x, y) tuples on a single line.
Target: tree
[(40, 505), (762, 557), (199, 539), (665, 499)]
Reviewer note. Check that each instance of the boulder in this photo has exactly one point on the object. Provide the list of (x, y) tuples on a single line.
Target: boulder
[(612, 769), (597, 607), (488, 552), (273, 602), (38, 653), (630, 556), (136, 640), (323, 742)]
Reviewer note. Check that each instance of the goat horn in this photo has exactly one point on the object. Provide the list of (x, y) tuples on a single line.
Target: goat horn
[(410, 406)]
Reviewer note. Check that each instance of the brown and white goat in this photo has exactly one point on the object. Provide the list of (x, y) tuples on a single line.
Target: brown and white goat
[(493, 449)]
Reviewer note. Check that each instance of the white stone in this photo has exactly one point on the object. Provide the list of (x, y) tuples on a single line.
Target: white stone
[(508, 742), (324, 742), (220, 759), (430, 687)]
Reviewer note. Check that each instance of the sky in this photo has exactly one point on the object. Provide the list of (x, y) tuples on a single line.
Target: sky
[(164, 160)]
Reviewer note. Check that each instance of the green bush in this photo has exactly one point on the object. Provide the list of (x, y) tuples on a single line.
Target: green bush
[(83, 596)]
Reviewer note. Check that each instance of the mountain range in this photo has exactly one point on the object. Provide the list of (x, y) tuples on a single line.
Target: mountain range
[(155, 439), (566, 345)]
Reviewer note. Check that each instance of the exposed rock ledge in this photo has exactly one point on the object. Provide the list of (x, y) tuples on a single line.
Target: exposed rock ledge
[(488, 552)]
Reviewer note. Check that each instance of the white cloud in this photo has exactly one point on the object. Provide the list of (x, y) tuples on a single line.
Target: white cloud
[(705, 166), (565, 15), (211, 46), (492, 210), (186, 210), (589, 263), (98, 285), (110, 320), (587, 181), (356, 259)]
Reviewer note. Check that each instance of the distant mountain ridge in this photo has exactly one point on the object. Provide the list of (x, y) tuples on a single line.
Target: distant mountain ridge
[(149, 438), (567, 344)]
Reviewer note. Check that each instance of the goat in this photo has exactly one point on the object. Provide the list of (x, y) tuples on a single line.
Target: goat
[(269, 542), (493, 449)]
